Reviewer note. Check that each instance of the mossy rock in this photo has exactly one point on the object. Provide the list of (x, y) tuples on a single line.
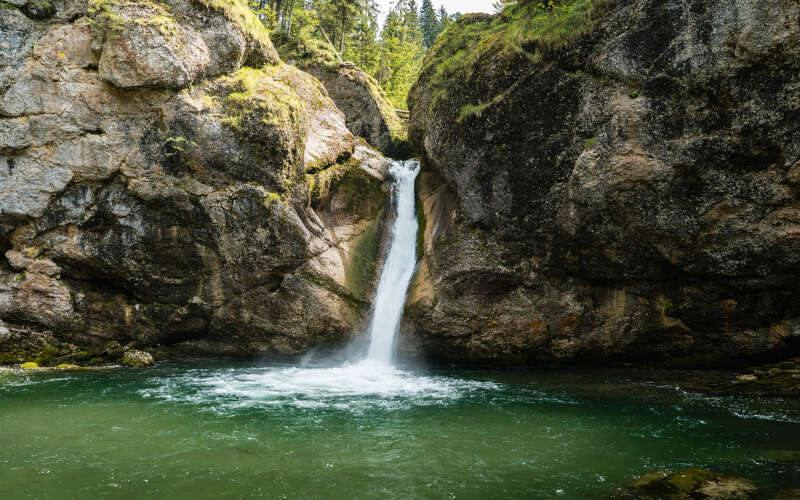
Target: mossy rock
[(30, 365), (138, 359), (688, 484), (68, 366)]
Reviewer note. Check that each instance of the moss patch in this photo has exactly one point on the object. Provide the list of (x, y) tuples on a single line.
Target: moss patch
[(362, 266), (528, 29), (240, 13), (261, 95)]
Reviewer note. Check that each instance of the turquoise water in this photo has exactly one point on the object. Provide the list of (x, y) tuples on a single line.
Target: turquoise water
[(237, 430)]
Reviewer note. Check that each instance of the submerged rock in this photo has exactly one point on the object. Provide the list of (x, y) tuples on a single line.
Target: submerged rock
[(610, 181)]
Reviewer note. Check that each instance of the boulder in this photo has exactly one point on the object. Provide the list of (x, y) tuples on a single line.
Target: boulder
[(367, 110), (609, 182), (189, 200), (688, 484), (138, 359)]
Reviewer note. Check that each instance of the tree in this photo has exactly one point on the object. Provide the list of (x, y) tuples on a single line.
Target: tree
[(445, 20), (402, 51), (429, 23)]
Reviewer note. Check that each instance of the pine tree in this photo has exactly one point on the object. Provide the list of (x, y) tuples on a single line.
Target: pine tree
[(402, 52), (445, 20), (429, 23)]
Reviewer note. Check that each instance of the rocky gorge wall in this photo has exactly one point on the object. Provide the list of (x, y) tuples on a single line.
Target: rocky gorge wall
[(166, 180), (608, 181)]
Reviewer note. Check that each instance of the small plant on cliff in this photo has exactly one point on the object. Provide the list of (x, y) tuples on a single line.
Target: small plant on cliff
[(526, 29)]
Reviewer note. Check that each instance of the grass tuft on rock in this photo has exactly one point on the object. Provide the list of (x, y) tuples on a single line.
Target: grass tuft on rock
[(527, 29)]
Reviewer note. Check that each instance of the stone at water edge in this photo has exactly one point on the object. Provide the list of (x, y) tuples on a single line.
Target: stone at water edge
[(688, 484), (138, 358)]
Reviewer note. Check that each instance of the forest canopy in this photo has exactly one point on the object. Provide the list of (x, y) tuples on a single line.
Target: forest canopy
[(389, 49)]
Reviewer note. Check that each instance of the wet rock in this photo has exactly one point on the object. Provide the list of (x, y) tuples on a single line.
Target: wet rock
[(688, 484), (624, 191), (157, 164), (787, 494), (138, 359)]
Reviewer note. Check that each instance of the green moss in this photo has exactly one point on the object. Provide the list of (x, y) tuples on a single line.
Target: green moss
[(589, 142), (9, 358), (262, 94), (271, 199), (526, 28), (29, 365), (310, 52), (240, 13), (103, 13), (634, 94), (667, 306), (422, 223), (362, 265)]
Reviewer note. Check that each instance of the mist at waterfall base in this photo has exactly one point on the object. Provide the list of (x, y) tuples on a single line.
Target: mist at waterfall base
[(372, 373), (366, 429)]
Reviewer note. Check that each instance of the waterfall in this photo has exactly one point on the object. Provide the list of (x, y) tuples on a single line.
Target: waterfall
[(396, 275), (372, 381)]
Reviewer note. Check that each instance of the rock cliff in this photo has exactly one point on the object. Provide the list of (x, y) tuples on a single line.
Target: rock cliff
[(608, 181), (166, 179), (367, 110)]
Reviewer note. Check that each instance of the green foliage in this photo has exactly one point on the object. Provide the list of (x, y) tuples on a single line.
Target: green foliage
[(239, 12), (523, 29), (319, 32), (429, 21), (178, 144), (403, 52), (634, 94)]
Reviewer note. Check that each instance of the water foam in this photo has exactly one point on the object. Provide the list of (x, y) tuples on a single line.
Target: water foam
[(370, 382), (348, 387)]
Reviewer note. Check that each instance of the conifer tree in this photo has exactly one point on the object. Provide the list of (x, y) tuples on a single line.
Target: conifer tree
[(429, 23)]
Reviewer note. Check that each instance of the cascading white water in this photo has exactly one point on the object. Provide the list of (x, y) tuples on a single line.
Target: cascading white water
[(372, 381), (399, 267)]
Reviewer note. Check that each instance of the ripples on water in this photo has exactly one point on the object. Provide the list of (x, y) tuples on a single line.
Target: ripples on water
[(349, 387), (358, 431)]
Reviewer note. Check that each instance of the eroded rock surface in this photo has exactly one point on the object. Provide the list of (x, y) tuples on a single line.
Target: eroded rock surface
[(167, 180), (367, 110), (617, 186)]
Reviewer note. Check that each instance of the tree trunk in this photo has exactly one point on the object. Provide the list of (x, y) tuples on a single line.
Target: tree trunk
[(289, 24), (341, 37)]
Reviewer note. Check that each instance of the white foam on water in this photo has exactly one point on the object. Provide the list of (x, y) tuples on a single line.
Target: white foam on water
[(349, 387), (372, 381)]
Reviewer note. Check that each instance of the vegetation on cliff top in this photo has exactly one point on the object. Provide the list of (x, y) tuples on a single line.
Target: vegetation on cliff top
[(529, 29), (239, 12), (389, 50)]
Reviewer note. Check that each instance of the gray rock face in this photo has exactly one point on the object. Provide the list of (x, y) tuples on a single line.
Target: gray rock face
[(367, 110), (209, 217), (172, 44), (628, 194)]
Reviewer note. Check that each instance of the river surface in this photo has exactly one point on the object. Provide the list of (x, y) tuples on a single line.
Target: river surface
[(226, 429), (368, 430)]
